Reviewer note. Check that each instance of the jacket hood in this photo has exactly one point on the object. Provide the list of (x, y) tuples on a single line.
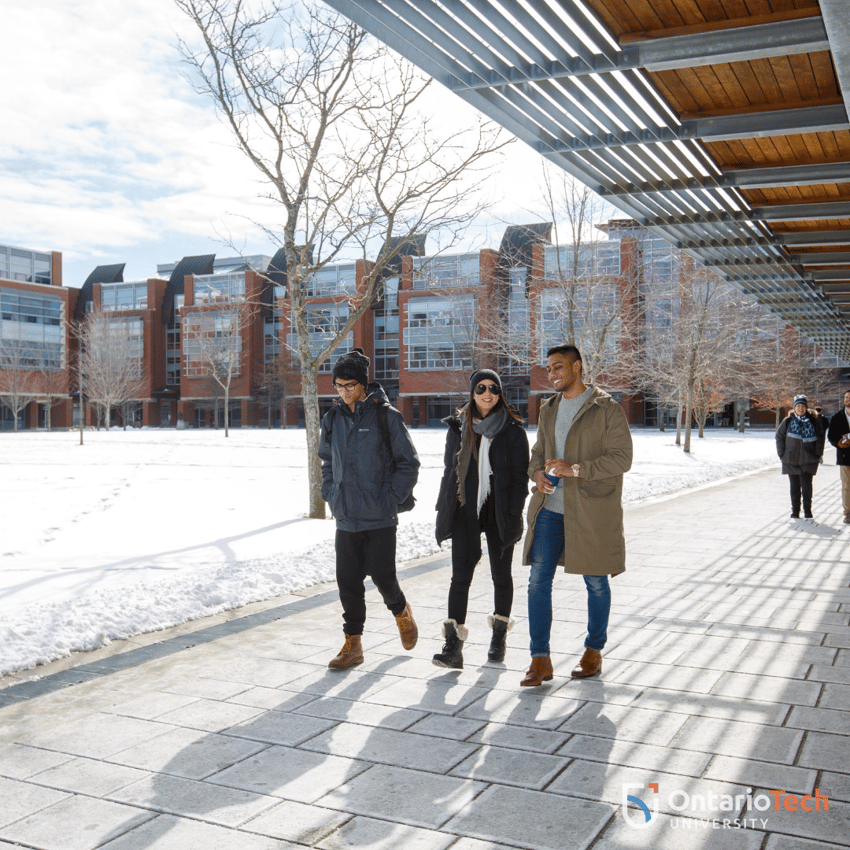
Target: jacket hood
[(375, 394)]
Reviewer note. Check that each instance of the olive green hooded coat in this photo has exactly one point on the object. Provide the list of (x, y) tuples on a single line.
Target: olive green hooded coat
[(599, 440)]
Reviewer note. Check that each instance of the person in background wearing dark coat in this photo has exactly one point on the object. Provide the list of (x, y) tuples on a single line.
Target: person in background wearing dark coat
[(483, 489), (839, 436), (799, 444), (364, 483)]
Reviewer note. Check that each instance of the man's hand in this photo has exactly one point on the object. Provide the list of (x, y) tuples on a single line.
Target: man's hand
[(844, 442), (560, 468), (543, 485)]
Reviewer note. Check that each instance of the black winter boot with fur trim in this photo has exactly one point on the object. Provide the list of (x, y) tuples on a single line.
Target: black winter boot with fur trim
[(501, 626), (452, 654)]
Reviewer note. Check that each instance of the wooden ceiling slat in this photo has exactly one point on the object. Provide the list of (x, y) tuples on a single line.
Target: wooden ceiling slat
[(773, 78)]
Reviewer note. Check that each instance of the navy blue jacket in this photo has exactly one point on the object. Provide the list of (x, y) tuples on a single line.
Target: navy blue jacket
[(358, 481)]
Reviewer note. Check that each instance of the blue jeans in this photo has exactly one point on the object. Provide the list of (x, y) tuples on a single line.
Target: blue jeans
[(546, 549)]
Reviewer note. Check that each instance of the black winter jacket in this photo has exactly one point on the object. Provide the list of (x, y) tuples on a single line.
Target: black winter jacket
[(357, 478), (799, 458), (509, 463), (838, 427)]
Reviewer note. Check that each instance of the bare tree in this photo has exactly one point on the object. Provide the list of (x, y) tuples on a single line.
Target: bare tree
[(18, 374), (331, 121), (110, 361), (213, 345)]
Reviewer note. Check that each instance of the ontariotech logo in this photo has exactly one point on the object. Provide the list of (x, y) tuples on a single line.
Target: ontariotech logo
[(643, 818)]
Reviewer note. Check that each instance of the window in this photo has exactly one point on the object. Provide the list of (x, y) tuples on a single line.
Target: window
[(217, 288), (333, 280), (124, 296), (437, 272), (598, 259), (441, 333), (594, 316), (324, 323), (32, 331), (27, 266), (211, 341)]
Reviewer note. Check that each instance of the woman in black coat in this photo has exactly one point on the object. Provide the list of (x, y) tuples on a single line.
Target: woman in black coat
[(484, 487), (799, 444)]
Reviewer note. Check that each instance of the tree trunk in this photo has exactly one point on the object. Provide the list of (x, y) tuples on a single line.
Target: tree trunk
[(778, 417), (742, 415), (679, 407), (82, 416), (688, 415), (312, 422), (227, 411)]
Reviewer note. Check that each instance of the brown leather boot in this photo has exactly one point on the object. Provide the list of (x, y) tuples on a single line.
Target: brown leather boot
[(590, 664), (350, 655), (407, 628), (540, 671)]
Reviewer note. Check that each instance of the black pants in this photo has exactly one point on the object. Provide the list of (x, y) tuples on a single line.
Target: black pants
[(360, 554), (466, 553), (801, 484)]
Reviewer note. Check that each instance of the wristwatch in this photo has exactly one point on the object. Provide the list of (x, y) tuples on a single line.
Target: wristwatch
[(575, 468)]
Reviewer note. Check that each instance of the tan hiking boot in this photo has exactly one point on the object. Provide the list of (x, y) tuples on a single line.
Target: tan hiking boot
[(350, 655), (407, 628)]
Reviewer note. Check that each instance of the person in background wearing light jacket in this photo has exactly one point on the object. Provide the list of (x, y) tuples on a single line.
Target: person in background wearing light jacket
[(583, 439), (484, 488), (799, 444), (364, 481)]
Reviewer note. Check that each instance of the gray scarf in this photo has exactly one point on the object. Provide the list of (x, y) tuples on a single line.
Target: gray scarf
[(488, 428)]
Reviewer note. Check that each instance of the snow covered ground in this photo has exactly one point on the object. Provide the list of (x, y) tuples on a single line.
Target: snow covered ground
[(144, 529)]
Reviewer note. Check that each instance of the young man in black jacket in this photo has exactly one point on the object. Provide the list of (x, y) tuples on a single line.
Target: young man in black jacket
[(839, 436), (369, 469)]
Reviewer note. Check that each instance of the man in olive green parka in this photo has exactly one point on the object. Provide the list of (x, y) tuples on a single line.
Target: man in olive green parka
[(584, 442)]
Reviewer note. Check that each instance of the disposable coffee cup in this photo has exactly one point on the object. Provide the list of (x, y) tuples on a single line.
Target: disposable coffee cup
[(552, 479)]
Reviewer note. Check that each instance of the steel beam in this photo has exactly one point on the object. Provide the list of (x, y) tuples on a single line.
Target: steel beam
[(742, 44), (822, 258), (747, 178)]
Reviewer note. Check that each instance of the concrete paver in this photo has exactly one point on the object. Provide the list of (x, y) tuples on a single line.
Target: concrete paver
[(726, 677)]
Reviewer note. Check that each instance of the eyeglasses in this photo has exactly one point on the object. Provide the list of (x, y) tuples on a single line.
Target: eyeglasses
[(342, 388), (487, 388)]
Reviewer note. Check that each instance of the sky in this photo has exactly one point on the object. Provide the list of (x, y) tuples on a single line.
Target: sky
[(109, 156)]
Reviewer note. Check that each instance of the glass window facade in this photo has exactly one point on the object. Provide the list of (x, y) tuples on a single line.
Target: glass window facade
[(333, 280), (595, 319), (32, 330), (23, 265), (324, 323), (441, 333), (211, 339), (124, 296), (216, 288), (599, 259), (387, 333), (172, 356), (130, 333), (440, 271)]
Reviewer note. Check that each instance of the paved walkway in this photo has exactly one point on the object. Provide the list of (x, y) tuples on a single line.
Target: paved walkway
[(727, 676)]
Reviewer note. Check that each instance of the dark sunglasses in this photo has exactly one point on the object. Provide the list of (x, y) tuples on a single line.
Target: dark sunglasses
[(483, 388)]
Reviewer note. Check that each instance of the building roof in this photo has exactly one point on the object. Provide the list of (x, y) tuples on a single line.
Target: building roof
[(101, 274), (721, 127), (202, 264)]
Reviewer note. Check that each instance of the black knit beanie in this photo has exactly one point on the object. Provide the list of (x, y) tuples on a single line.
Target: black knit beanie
[(479, 375), (353, 366)]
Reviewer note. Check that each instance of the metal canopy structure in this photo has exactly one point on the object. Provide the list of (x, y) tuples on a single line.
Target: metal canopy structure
[(722, 127)]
